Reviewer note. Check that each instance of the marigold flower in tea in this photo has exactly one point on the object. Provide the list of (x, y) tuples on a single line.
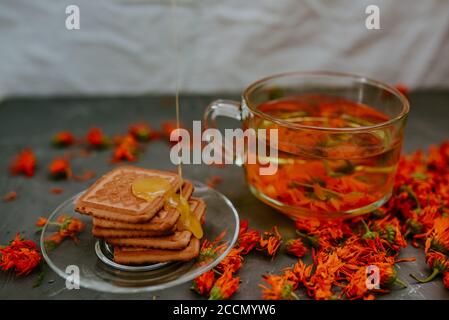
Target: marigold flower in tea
[(278, 288), (60, 169), (20, 255), (204, 283), (322, 172), (225, 286), (24, 163), (63, 139)]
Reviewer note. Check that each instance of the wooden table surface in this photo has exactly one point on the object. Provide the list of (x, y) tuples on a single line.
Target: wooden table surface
[(33, 121)]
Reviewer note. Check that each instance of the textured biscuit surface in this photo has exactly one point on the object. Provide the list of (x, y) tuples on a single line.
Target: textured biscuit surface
[(117, 233), (164, 220), (177, 240), (131, 256), (113, 193), (111, 197), (141, 232), (197, 206)]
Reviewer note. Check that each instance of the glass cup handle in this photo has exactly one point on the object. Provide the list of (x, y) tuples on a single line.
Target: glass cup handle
[(222, 108)]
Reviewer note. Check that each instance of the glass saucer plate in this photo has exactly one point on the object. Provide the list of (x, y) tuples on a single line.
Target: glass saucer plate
[(92, 257)]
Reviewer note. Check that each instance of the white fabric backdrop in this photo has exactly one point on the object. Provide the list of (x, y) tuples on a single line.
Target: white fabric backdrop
[(125, 46)]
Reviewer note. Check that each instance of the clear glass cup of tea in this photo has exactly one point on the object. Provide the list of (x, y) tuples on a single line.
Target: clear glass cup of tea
[(339, 141)]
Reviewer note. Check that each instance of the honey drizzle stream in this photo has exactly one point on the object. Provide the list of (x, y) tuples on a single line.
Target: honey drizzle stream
[(186, 220), (176, 46), (150, 188)]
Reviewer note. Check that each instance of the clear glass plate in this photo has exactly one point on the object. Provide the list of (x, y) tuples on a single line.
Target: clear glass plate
[(98, 272)]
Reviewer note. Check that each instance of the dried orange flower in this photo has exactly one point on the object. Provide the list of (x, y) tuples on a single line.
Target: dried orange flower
[(279, 288), (60, 169), (56, 190), (41, 222), (439, 264), (300, 273), (168, 127), (68, 227), (296, 247), (24, 163), (248, 238), (225, 286), (446, 280), (356, 287), (63, 139), (204, 283), (211, 249), (10, 196), (342, 250), (20, 255), (233, 261), (127, 149), (96, 139), (142, 132), (214, 181), (270, 242), (328, 266), (438, 236), (389, 276)]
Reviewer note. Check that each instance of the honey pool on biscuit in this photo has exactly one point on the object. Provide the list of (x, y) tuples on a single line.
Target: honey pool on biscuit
[(149, 188)]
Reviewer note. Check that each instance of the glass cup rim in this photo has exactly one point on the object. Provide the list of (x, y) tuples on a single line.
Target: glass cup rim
[(404, 101)]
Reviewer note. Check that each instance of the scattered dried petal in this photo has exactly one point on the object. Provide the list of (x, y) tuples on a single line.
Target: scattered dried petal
[(10, 196)]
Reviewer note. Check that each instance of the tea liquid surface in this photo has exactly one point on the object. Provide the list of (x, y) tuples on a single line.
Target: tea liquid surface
[(326, 170)]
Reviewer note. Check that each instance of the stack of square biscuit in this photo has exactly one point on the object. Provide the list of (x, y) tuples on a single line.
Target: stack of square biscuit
[(140, 231)]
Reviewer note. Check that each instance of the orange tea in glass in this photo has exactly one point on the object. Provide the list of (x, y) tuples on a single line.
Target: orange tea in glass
[(339, 141)]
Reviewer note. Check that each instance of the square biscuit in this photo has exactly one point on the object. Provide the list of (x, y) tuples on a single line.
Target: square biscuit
[(164, 220), (117, 233), (176, 241), (197, 206), (137, 256), (103, 215), (111, 197)]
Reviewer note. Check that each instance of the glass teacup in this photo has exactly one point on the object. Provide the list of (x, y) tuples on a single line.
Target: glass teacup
[(339, 140)]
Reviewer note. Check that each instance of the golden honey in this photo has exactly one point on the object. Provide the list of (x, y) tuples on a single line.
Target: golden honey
[(150, 188)]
